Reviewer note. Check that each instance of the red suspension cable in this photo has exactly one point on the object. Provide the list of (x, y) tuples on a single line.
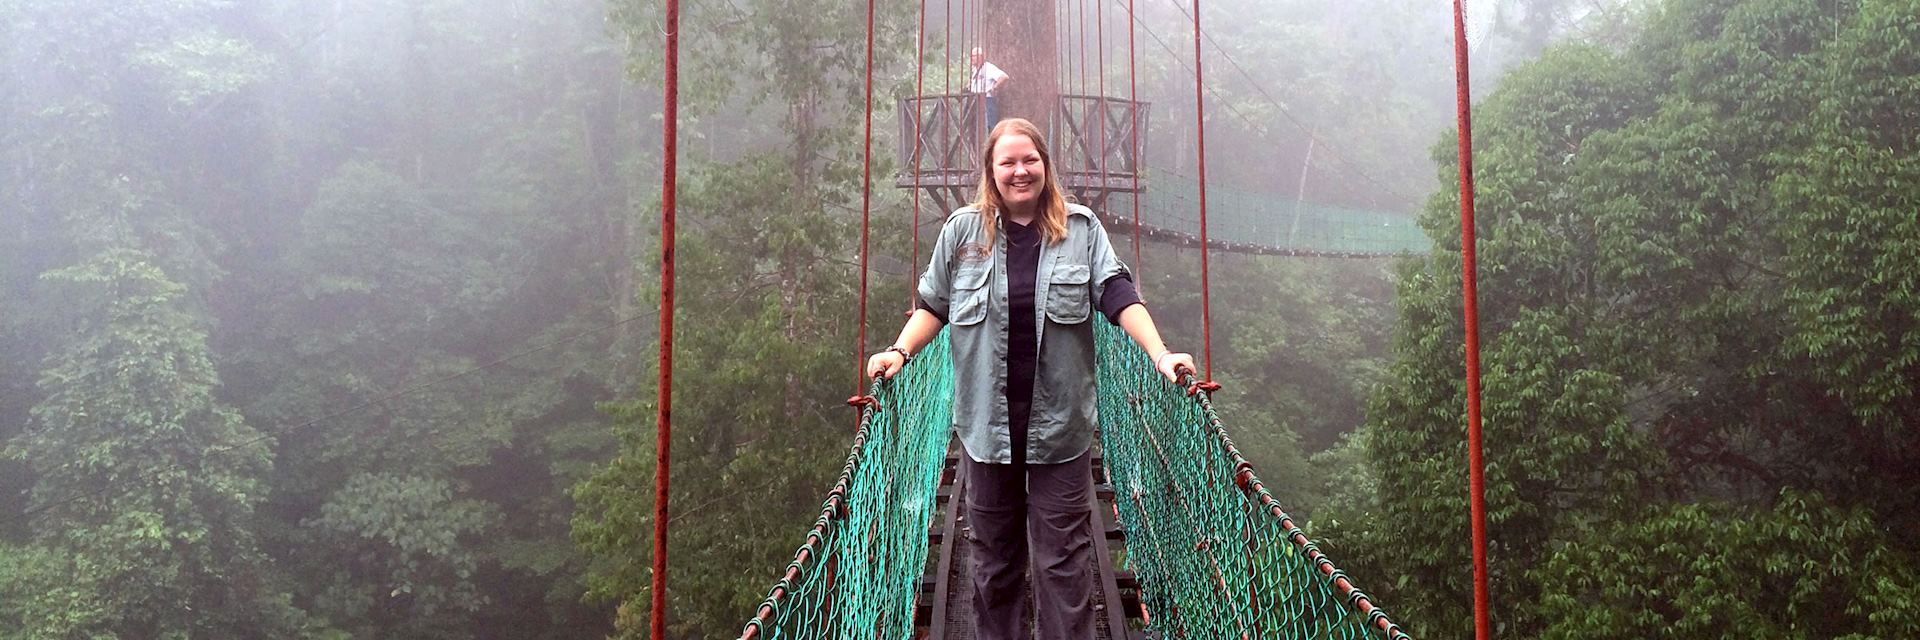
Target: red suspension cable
[(1064, 60), (866, 208), (1469, 292), (946, 46), (1063, 16), (966, 41), (669, 169), (970, 39), (946, 123), (919, 93), (1200, 140), (1100, 71), (1133, 94), (1081, 44)]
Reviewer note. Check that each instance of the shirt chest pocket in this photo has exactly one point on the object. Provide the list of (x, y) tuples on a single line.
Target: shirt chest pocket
[(969, 293), (1069, 293)]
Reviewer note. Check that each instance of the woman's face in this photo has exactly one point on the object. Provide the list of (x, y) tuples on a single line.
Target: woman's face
[(1018, 172)]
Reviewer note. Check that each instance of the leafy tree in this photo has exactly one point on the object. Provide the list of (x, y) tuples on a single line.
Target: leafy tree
[(455, 229), (146, 483), (406, 536), (766, 287), (1803, 569), (1679, 239), (771, 363)]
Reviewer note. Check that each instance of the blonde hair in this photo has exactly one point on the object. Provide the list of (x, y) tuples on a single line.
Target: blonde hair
[(1053, 211)]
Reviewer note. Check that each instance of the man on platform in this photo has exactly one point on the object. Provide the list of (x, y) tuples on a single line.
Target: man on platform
[(986, 78)]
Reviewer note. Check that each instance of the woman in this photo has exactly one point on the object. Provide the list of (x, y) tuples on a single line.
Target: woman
[(1017, 274)]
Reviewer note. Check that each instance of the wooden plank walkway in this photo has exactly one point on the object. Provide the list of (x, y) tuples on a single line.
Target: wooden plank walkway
[(945, 607)]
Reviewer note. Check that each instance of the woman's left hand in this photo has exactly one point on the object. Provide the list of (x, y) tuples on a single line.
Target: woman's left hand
[(1170, 364)]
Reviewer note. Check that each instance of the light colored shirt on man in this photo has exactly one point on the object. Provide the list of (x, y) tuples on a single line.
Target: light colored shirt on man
[(985, 78)]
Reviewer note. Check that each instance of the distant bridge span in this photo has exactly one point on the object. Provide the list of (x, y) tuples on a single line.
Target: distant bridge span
[(1102, 175)]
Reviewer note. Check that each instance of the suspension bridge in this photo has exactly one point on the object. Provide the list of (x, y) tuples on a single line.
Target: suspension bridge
[(1189, 543)]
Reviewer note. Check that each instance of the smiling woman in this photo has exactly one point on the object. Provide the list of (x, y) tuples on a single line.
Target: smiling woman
[(1021, 188), (1017, 170), (1017, 275)]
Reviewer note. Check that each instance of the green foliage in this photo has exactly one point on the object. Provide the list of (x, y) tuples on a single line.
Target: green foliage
[(761, 352), (382, 283), (1802, 569), (46, 596), (344, 235), (401, 555), (1695, 269), (1849, 254), (146, 483), (761, 337), (1296, 344)]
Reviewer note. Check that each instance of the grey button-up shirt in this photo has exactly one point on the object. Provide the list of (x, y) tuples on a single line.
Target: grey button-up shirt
[(966, 282)]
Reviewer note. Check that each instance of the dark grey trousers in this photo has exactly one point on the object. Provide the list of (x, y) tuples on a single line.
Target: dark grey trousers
[(1037, 511)]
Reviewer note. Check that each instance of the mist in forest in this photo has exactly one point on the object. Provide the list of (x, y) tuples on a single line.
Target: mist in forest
[(341, 319)]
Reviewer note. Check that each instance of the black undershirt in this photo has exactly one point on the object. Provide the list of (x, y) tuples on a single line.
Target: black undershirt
[(1023, 259)]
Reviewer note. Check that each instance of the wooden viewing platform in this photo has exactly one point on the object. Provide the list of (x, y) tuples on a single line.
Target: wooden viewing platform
[(1090, 138)]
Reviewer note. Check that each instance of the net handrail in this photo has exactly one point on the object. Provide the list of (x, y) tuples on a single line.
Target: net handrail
[(886, 491), (878, 513), (1168, 456)]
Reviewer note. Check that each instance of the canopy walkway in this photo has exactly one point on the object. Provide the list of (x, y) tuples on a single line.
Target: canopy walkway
[(1261, 223), (1199, 547), (939, 155), (1195, 545)]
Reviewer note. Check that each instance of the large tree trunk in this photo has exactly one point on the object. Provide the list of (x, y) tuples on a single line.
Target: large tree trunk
[(1018, 37)]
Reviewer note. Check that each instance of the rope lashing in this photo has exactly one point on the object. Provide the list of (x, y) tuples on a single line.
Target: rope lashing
[(864, 401)]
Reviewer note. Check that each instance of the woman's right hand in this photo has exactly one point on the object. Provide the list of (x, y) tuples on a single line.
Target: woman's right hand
[(885, 364)]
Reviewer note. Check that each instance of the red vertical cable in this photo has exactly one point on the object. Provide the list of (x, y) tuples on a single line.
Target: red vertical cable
[(919, 93), (946, 104), (1063, 64), (1200, 141), (966, 44), (1082, 46), (946, 45), (1066, 43), (969, 40), (866, 207), (1073, 69), (669, 154), (1476, 465), (1100, 71), (1133, 94)]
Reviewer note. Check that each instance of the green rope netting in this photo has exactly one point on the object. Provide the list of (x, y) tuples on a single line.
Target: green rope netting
[(856, 575), (1271, 219), (1215, 555)]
